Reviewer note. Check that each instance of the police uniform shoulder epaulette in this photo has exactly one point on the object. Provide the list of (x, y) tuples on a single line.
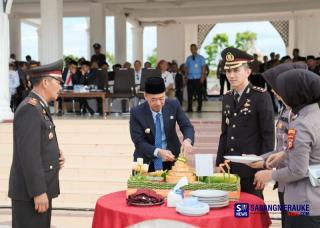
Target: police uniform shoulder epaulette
[(259, 89), (229, 92), (32, 101)]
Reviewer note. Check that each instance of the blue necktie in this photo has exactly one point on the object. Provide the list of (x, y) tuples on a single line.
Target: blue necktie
[(158, 143)]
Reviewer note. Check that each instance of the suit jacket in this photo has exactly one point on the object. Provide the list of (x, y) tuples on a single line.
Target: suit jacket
[(247, 127), (75, 77), (141, 122), (35, 165), (305, 152), (88, 79)]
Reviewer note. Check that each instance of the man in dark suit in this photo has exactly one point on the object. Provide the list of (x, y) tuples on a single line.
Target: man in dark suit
[(247, 118), (70, 74), (37, 159), (153, 128)]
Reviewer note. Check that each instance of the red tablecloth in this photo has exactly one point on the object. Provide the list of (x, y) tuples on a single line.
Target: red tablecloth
[(112, 211)]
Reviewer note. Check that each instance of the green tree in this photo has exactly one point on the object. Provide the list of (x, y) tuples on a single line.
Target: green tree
[(244, 40), (153, 58), (110, 58), (70, 57), (218, 43)]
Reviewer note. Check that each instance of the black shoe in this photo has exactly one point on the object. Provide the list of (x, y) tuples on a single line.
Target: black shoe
[(198, 109), (189, 110)]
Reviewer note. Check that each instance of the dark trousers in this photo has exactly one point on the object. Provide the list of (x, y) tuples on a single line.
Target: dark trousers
[(194, 86), (25, 216), (302, 222), (223, 79), (248, 187), (179, 95), (204, 88), (283, 213)]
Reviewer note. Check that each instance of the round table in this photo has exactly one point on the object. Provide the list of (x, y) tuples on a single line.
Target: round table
[(112, 211)]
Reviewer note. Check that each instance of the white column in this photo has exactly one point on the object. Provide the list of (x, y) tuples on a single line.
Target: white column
[(5, 111), (120, 27), (191, 37), (51, 45), (171, 46), (39, 41), (97, 26), (137, 43), (292, 36), (15, 35), (88, 39), (307, 36)]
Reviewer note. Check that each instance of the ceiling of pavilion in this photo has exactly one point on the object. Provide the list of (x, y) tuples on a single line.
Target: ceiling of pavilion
[(149, 10)]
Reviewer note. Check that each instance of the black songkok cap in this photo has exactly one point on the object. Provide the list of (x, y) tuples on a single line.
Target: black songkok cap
[(155, 85)]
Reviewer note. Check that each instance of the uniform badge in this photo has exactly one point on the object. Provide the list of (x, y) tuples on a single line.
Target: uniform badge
[(50, 135), (279, 125), (229, 57), (227, 121), (291, 137), (147, 131)]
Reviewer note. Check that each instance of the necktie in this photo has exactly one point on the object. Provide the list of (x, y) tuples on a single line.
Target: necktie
[(158, 143), (69, 79), (236, 98)]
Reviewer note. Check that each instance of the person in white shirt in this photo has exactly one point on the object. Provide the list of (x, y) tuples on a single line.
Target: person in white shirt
[(167, 77), (137, 71), (14, 83)]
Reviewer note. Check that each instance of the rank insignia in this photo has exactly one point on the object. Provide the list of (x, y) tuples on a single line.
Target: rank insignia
[(33, 101), (291, 137), (50, 135)]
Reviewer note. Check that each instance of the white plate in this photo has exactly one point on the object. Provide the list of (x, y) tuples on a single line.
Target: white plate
[(189, 211), (219, 205), (193, 215), (213, 201), (209, 193), (243, 159)]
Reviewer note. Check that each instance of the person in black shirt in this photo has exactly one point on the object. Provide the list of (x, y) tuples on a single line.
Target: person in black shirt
[(98, 56)]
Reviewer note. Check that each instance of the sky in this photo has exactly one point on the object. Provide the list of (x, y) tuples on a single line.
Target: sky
[(75, 40), (268, 39)]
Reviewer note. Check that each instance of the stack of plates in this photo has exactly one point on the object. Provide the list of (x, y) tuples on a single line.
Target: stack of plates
[(192, 207), (214, 198)]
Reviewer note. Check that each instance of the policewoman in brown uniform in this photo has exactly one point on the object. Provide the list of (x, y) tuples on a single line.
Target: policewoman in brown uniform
[(37, 159), (247, 125), (300, 90)]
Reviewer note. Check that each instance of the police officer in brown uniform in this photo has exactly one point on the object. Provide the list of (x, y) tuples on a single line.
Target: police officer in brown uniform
[(247, 118), (37, 159)]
